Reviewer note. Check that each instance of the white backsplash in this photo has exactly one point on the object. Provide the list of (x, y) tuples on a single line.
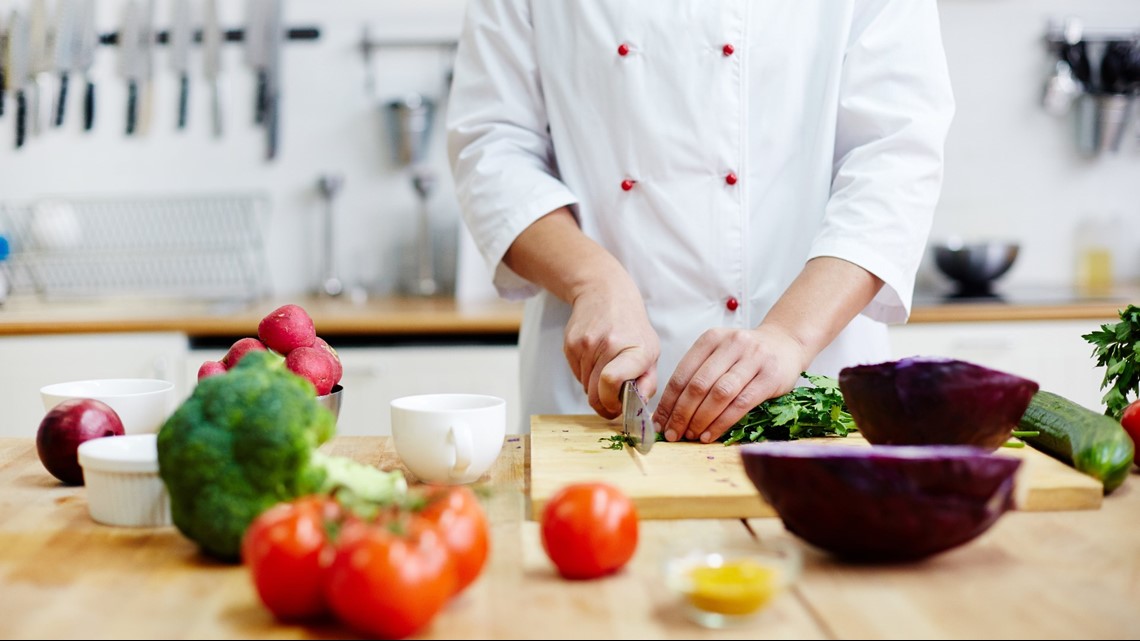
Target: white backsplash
[(1012, 170)]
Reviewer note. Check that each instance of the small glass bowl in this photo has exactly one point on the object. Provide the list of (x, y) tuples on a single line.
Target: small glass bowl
[(730, 585)]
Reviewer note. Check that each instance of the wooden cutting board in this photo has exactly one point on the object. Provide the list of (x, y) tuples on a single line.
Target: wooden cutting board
[(696, 480)]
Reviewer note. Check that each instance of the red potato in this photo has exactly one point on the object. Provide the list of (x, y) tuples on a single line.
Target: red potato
[(239, 349), (315, 364), (287, 328), (322, 344), (211, 368)]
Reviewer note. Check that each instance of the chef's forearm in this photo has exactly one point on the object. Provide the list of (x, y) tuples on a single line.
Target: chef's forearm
[(554, 254), (821, 301)]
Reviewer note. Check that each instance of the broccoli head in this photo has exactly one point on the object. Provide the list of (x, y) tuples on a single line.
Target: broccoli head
[(246, 440)]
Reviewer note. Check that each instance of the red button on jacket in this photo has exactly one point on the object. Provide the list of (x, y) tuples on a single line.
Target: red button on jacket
[(623, 49), (627, 184), (730, 178), (728, 50), (732, 304)]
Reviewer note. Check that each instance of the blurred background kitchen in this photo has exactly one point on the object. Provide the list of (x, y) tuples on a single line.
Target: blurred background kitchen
[(326, 178), (1016, 167)]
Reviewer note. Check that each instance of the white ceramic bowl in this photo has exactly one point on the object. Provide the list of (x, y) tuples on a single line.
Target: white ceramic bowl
[(122, 481), (143, 404)]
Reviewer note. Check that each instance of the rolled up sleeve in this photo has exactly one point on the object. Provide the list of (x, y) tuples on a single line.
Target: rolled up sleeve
[(895, 108), (497, 135)]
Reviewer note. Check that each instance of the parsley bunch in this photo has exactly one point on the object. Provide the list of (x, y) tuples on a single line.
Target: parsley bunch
[(1117, 348), (804, 412)]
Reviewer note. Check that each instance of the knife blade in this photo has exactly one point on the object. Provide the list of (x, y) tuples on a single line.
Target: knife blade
[(146, 66), (129, 62), (274, 33), (3, 65), (181, 33), (257, 53), (40, 64), (17, 71), (637, 423), (64, 54), (212, 62), (86, 36)]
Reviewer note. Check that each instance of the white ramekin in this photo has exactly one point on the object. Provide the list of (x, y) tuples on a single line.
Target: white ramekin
[(123, 486)]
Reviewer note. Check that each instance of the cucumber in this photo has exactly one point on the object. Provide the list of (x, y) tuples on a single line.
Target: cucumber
[(1092, 443)]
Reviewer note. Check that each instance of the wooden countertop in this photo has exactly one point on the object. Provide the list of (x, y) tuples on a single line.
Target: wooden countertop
[(1032, 575), (396, 316)]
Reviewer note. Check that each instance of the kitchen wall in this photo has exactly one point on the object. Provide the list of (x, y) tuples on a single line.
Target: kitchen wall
[(1012, 170)]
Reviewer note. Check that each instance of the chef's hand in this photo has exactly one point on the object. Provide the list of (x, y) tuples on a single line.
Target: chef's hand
[(609, 340), (726, 373)]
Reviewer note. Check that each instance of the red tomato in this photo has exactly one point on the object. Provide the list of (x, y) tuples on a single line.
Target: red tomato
[(390, 584), (1130, 419), (282, 547), (456, 511), (589, 530)]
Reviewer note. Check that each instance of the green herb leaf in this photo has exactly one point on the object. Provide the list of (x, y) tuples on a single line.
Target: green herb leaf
[(805, 412), (617, 441), (1116, 347)]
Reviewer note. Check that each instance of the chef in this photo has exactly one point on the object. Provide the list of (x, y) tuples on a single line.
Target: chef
[(707, 196)]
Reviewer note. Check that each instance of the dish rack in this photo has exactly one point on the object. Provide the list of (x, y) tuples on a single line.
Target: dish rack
[(199, 247)]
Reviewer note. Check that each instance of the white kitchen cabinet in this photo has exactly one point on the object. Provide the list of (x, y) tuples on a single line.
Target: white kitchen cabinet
[(373, 376), (1052, 353), (27, 363)]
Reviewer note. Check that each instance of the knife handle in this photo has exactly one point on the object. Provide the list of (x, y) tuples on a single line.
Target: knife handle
[(21, 118), (132, 107), (183, 100), (261, 101), (2, 84), (62, 101), (89, 106), (272, 126)]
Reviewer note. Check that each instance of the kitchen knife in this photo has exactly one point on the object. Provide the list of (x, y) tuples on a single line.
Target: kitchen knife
[(40, 64), (181, 33), (129, 62), (3, 66), (146, 66), (212, 62), (64, 54), (86, 36), (257, 53), (274, 33), (16, 75), (637, 422)]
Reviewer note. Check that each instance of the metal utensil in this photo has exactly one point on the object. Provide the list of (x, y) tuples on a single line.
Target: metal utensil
[(424, 181), (212, 63), (329, 186), (257, 54), (129, 62), (64, 54), (1061, 90), (87, 38), (146, 66), (3, 65), (181, 34), (41, 63), (274, 34), (17, 71), (636, 422)]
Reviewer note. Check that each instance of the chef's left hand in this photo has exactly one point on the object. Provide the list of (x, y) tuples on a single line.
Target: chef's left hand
[(726, 373)]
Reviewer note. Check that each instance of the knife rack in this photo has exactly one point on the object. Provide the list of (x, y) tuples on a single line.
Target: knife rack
[(229, 35)]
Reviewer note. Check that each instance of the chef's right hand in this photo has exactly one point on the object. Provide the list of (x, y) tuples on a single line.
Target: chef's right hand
[(608, 341)]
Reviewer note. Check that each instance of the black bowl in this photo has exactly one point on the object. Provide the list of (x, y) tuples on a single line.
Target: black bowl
[(975, 266)]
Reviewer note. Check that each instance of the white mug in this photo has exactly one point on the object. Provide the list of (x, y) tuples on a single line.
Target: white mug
[(448, 438)]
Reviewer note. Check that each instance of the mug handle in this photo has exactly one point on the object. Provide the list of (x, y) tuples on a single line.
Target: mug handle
[(460, 436)]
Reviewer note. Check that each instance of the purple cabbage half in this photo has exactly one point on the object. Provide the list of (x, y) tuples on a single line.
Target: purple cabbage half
[(934, 401), (882, 503)]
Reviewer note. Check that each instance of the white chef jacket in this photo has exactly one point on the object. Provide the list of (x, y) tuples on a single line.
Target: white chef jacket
[(712, 146)]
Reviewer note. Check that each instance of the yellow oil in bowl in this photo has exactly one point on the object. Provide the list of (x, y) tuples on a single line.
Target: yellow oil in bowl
[(739, 587)]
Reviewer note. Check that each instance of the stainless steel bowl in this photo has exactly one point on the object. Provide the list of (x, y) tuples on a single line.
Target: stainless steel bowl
[(974, 266), (331, 401)]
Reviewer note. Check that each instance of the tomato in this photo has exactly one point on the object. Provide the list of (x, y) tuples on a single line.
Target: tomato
[(390, 578), (282, 548), (1130, 419), (456, 511), (589, 530)]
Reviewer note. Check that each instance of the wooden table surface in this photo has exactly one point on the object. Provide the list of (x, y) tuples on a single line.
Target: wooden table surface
[(1069, 575)]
